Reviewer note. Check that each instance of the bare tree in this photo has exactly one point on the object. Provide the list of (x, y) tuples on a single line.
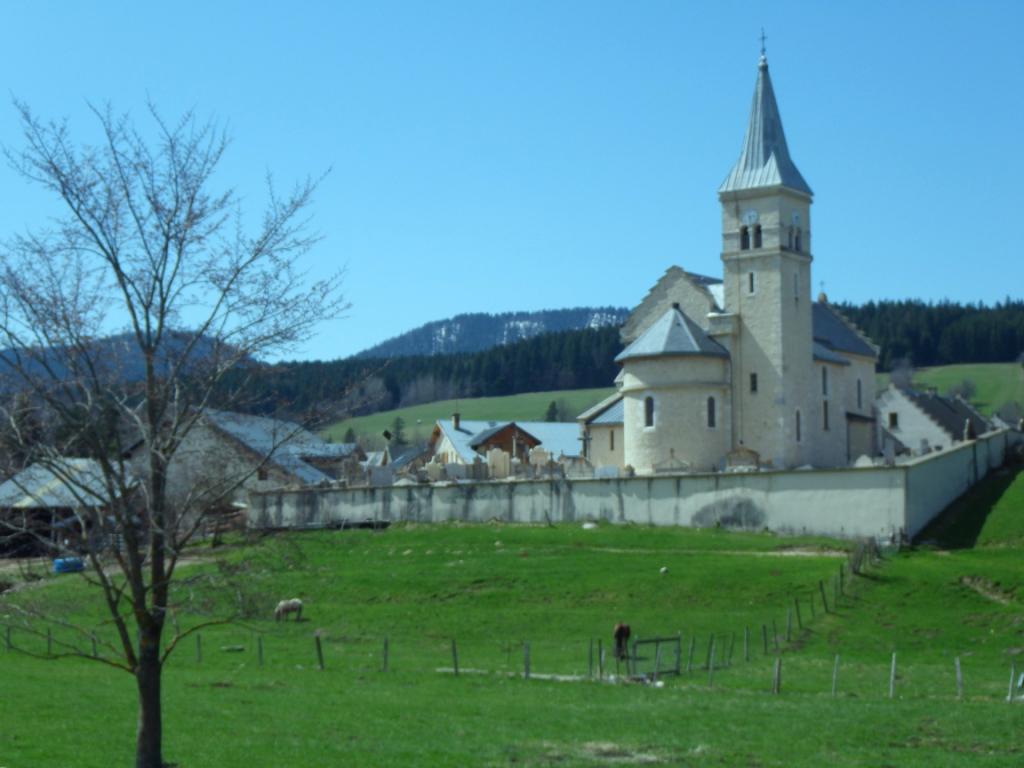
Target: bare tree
[(147, 249)]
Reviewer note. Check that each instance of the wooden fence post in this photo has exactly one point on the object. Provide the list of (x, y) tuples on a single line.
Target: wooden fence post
[(824, 602), (1013, 674), (711, 661), (775, 635), (526, 661), (689, 656), (892, 676), (657, 660), (455, 658), (600, 659), (959, 679), (711, 650), (835, 675), (590, 660), (746, 644), (385, 653), (679, 652), (799, 618), (319, 650), (777, 676), (94, 653), (789, 625), (764, 638), (835, 595)]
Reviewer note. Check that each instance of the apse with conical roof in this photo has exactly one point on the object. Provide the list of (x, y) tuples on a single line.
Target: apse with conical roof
[(764, 159)]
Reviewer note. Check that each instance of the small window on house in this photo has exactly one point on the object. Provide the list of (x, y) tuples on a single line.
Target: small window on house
[(711, 413), (262, 474), (744, 239), (611, 440), (860, 396), (824, 380), (757, 235), (798, 435), (894, 420), (797, 243), (648, 411), (824, 415), (753, 382), (751, 284)]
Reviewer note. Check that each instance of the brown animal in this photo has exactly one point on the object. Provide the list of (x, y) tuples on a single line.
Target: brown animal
[(621, 636)]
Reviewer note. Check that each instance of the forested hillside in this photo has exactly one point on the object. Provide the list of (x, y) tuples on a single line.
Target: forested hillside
[(943, 333), (333, 390), (479, 331)]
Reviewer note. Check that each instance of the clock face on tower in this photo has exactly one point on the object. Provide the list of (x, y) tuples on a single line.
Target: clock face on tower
[(750, 216)]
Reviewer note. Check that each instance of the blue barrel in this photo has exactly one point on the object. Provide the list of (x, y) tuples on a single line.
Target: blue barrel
[(68, 565)]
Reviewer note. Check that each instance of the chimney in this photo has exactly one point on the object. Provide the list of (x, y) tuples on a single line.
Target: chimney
[(455, 420)]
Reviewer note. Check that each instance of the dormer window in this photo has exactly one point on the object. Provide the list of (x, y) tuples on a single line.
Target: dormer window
[(744, 239), (757, 235)]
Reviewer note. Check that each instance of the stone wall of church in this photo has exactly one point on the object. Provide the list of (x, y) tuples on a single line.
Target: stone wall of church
[(605, 447), (680, 388)]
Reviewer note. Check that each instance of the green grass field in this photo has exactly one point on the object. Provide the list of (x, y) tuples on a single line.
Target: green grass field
[(996, 383), (495, 587), (419, 419)]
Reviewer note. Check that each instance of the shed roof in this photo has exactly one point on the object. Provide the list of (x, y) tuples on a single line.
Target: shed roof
[(62, 483), (555, 437)]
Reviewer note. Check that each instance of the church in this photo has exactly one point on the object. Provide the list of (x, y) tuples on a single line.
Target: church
[(745, 371)]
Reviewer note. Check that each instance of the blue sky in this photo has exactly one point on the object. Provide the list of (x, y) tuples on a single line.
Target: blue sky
[(497, 156)]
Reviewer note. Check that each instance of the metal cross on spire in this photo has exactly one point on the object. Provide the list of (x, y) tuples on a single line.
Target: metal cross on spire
[(763, 38)]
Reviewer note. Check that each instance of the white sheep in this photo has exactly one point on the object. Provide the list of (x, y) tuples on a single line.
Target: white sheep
[(288, 606)]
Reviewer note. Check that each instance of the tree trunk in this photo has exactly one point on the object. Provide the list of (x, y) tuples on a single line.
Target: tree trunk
[(149, 737)]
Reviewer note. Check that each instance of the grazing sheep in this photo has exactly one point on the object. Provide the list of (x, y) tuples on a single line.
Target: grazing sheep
[(288, 606)]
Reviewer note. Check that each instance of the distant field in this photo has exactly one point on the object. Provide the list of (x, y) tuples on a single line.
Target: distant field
[(493, 587), (996, 383), (419, 419)]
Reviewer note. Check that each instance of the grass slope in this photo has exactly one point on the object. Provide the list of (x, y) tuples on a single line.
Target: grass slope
[(997, 383), (493, 587), (419, 419)]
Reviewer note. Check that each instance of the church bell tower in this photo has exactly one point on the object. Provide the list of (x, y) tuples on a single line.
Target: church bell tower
[(766, 255)]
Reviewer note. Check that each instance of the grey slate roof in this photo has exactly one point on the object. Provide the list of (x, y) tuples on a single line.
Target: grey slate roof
[(764, 160), (835, 332), (616, 414), (950, 413), (69, 483), (826, 355), (284, 443), (673, 334)]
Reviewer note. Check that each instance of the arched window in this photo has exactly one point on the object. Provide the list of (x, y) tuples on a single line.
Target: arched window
[(751, 284), (824, 381), (744, 239), (711, 413), (799, 246), (860, 397), (824, 415), (648, 411), (757, 235), (798, 426)]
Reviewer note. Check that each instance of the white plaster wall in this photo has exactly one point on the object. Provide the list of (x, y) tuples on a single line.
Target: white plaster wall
[(602, 454), (914, 424), (680, 387)]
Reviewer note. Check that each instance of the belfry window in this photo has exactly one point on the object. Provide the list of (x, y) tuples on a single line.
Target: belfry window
[(757, 235), (798, 435), (744, 239), (711, 413), (648, 411)]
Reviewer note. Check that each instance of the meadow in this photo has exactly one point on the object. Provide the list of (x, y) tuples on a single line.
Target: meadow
[(494, 587)]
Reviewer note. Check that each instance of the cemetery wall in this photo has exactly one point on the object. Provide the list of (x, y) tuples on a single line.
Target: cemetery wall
[(874, 501)]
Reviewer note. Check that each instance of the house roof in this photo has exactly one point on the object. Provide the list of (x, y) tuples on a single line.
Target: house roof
[(673, 334), (285, 444), (66, 482), (950, 413), (838, 334), (825, 355), (764, 159), (555, 437), (608, 411)]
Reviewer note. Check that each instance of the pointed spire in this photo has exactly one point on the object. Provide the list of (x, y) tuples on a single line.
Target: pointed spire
[(764, 160)]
